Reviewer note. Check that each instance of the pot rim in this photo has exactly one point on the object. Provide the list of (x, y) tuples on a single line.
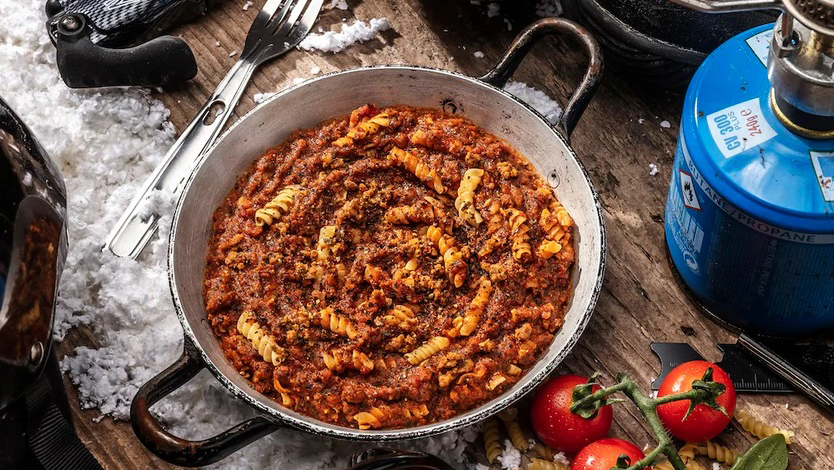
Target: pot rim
[(485, 410)]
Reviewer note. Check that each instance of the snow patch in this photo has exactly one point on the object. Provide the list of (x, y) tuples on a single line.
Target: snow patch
[(348, 35), (535, 98)]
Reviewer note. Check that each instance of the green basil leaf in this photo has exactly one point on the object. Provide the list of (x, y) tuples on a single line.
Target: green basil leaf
[(768, 454)]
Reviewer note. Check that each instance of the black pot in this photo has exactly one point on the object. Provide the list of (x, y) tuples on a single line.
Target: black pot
[(658, 42)]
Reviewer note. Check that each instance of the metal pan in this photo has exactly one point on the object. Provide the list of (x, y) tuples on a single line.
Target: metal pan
[(307, 104)]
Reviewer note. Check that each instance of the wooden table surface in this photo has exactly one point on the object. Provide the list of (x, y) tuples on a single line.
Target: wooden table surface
[(617, 138)]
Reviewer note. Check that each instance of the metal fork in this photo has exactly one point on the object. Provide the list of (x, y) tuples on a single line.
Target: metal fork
[(279, 26)]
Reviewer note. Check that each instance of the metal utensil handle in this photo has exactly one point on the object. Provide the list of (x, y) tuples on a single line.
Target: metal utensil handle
[(519, 48), (802, 381), (139, 222), (180, 451)]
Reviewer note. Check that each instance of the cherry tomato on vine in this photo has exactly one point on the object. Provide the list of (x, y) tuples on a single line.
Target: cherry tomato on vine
[(554, 423), (603, 454), (704, 422)]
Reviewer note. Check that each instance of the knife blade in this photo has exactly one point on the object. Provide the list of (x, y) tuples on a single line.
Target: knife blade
[(747, 374)]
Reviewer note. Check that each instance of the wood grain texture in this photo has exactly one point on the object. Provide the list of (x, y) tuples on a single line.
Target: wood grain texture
[(640, 301)]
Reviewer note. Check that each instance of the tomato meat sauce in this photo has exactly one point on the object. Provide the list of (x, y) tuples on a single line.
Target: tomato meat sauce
[(388, 269)]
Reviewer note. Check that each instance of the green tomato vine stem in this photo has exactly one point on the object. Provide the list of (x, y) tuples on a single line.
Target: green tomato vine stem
[(648, 408)]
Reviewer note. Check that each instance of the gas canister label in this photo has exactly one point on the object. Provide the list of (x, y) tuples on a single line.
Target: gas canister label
[(760, 45), (741, 216), (824, 167), (739, 127)]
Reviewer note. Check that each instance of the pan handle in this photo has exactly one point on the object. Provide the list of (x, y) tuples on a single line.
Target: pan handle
[(177, 450), (525, 40)]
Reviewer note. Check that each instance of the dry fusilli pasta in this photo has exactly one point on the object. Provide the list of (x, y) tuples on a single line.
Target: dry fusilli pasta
[(717, 452), (492, 439), (260, 339), (543, 452), (517, 437), (759, 428), (465, 202), (432, 346)]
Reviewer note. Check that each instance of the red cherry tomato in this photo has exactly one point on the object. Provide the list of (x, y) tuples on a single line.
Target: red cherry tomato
[(603, 454), (704, 422), (554, 423)]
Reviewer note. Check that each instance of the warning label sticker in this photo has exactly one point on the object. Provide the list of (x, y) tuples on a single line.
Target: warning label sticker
[(690, 199), (760, 45), (739, 127), (824, 167)]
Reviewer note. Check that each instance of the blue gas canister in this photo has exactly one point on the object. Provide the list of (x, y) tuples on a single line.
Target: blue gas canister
[(750, 210)]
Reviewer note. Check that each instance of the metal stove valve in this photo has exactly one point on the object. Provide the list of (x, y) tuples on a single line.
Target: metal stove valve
[(800, 63)]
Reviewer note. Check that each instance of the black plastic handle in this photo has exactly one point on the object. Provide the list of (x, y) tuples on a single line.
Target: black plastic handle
[(159, 62), (181, 451), (519, 48)]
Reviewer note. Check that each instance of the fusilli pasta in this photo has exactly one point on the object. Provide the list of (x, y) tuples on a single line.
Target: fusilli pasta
[(416, 411), (339, 360), (326, 235), (543, 452), (417, 167), (555, 221), (492, 439), (465, 202), (336, 323), (432, 346), (278, 206), (401, 316), (452, 256), (717, 452), (510, 418), (260, 339), (507, 170), (370, 419), (363, 129), (759, 428), (517, 222), (286, 398), (421, 212), (466, 325)]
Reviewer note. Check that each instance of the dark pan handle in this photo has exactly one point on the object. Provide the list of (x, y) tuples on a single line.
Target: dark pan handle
[(174, 449), (577, 103), (381, 458)]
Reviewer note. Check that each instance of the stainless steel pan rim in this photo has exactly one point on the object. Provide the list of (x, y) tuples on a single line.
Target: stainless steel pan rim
[(196, 356)]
